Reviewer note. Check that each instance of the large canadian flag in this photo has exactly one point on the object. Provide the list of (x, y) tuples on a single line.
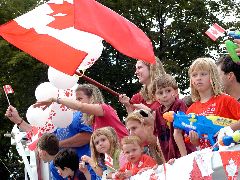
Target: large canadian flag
[(48, 34)]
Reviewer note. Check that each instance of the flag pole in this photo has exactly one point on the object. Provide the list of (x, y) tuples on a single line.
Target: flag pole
[(101, 86), (7, 98)]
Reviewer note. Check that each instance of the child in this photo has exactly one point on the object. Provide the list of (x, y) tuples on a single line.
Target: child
[(206, 92), (133, 150), (103, 141), (95, 112), (141, 123), (66, 162), (166, 92)]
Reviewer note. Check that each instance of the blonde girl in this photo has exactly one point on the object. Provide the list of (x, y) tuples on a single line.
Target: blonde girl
[(96, 113), (208, 97), (146, 73), (141, 123), (103, 141)]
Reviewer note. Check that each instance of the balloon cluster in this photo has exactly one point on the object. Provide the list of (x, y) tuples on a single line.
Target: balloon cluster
[(227, 140)]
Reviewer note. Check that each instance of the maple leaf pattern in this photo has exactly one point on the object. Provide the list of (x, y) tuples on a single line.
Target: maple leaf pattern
[(66, 19), (64, 108), (52, 114), (68, 92)]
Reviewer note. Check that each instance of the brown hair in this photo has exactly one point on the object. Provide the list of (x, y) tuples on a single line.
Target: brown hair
[(49, 143), (205, 64), (136, 115), (156, 70), (165, 81)]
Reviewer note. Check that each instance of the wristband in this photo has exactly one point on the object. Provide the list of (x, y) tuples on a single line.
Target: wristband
[(58, 99), (18, 124)]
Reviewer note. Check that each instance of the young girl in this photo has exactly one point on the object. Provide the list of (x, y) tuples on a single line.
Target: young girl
[(95, 112), (103, 141), (146, 74), (133, 150), (141, 123), (206, 92)]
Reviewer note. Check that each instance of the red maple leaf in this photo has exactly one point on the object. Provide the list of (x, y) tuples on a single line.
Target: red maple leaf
[(65, 20)]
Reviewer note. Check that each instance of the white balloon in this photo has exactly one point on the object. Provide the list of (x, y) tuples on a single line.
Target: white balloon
[(37, 116), (68, 93), (61, 80), (92, 56), (60, 115), (45, 91)]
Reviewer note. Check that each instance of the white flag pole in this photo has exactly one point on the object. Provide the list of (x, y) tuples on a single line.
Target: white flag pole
[(7, 98)]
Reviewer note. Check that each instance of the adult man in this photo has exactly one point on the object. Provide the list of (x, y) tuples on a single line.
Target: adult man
[(76, 135), (230, 74)]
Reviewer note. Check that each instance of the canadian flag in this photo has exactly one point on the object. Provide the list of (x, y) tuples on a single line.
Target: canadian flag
[(108, 161), (8, 89), (48, 34), (215, 31)]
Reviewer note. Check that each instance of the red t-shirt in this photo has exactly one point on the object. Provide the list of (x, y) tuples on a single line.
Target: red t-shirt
[(165, 131), (138, 99), (110, 118), (144, 161), (222, 105)]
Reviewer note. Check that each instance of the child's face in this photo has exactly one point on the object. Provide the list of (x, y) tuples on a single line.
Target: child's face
[(136, 128), (166, 96), (102, 144), (64, 172), (82, 97), (133, 152), (201, 80)]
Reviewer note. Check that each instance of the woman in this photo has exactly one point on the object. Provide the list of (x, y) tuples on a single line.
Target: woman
[(146, 74)]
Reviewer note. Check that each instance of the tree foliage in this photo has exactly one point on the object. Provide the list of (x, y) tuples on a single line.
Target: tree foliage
[(176, 29)]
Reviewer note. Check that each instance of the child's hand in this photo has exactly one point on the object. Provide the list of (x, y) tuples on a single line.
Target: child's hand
[(194, 138), (82, 167), (171, 161), (86, 158), (238, 43), (120, 175), (127, 174)]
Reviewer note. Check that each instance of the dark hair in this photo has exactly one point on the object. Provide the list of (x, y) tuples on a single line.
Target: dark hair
[(67, 158), (227, 65), (49, 143)]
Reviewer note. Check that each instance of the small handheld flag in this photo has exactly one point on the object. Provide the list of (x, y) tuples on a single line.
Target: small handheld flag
[(8, 90), (215, 31), (108, 161)]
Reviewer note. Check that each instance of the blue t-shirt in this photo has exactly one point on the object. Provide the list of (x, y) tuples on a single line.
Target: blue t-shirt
[(77, 126)]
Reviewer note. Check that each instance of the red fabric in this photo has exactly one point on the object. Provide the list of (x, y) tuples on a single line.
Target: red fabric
[(110, 118), (222, 105), (144, 161), (231, 162), (93, 17), (137, 99), (196, 173), (43, 47), (165, 130)]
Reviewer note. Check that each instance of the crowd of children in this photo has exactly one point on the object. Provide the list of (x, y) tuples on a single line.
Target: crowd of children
[(150, 139)]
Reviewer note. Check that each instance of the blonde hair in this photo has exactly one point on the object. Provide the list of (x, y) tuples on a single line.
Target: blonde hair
[(95, 96), (165, 81), (131, 140), (112, 137), (155, 70), (137, 116), (205, 64)]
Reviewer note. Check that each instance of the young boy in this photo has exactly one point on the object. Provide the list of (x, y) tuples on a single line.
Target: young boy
[(67, 164), (133, 151), (166, 93)]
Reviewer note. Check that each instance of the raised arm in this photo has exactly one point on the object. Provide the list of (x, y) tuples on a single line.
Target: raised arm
[(77, 140), (13, 116), (92, 109)]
